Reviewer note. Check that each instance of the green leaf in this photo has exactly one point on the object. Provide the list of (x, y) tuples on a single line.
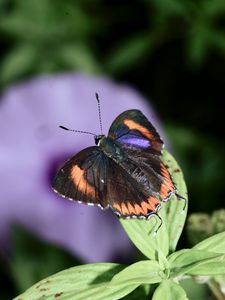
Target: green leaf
[(79, 57), (209, 269), (18, 62), (215, 243), (197, 43), (172, 212), (82, 282), (162, 260), (169, 290), (142, 232), (142, 272), (182, 262), (170, 8), (213, 9), (188, 256), (129, 52)]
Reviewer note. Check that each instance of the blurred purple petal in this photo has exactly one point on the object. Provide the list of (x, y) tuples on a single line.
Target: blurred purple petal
[(32, 146)]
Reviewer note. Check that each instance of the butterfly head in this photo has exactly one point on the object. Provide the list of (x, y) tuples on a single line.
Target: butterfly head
[(98, 138)]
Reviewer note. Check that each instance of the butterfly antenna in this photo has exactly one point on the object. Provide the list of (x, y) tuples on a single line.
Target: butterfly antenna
[(80, 131), (99, 110)]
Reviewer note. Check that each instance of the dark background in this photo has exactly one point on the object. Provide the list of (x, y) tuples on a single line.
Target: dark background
[(172, 51)]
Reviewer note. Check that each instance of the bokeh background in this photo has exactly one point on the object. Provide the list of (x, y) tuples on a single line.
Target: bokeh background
[(170, 52)]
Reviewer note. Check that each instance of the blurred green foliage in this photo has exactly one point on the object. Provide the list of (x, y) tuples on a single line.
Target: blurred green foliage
[(46, 36), (201, 226), (201, 158), (98, 36)]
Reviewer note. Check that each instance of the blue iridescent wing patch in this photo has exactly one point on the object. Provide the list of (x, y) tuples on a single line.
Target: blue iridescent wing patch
[(134, 139), (132, 129)]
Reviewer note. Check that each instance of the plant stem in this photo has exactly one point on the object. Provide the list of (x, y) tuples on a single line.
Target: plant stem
[(215, 288)]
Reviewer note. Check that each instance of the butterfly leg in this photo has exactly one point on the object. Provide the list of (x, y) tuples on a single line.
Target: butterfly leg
[(158, 227), (179, 197)]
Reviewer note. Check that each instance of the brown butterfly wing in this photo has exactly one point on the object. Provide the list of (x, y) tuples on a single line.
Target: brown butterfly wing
[(125, 194), (133, 185), (91, 177), (131, 129), (150, 172), (142, 145), (82, 178)]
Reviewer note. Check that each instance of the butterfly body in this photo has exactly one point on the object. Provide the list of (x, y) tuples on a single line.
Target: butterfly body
[(123, 171), (111, 149)]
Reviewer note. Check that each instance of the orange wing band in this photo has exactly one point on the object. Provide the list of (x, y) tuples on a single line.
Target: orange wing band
[(167, 186), (77, 176), (142, 209), (132, 125)]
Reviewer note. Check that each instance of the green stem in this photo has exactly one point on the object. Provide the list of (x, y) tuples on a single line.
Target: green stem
[(215, 288)]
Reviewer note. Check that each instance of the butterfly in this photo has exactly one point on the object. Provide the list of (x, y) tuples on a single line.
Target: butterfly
[(124, 171)]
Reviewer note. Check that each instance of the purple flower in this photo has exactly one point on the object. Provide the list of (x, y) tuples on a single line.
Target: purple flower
[(32, 147)]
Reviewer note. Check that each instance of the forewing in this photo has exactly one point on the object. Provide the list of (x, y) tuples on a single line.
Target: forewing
[(83, 177), (132, 129)]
